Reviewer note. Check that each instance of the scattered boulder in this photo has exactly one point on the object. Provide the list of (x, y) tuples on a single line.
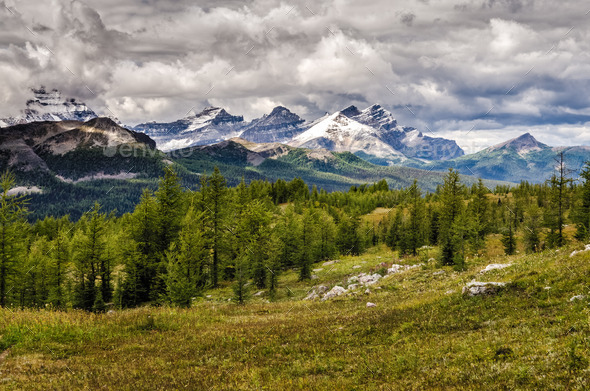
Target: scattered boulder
[(318, 270), (354, 278), (312, 295), (322, 288), (495, 266), (316, 292), (368, 291), (475, 288), (586, 248), (352, 287), (356, 266), (328, 263), (259, 293), (547, 288), (314, 277), (396, 268), (438, 273), (369, 305), (334, 292), (369, 279), (209, 296), (577, 297)]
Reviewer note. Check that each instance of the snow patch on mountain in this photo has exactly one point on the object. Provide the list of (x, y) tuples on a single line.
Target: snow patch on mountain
[(341, 133), (51, 106)]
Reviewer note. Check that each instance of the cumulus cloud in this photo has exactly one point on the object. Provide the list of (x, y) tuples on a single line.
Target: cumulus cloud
[(477, 69)]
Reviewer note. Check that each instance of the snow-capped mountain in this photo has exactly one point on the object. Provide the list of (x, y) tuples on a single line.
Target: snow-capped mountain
[(409, 141), (51, 106), (339, 133), (281, 125), (210, 126), (372, 133)]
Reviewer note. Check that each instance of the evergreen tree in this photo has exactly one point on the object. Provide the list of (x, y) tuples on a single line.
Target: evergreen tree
[(289, 230), (215, 192), (92, 265), (326, 246), (395, 232), (532, 239), (169, 201), (12, 235), (169, 211), (240, 287), (59, 254), (140, 252), (509, 240), (452, 227), (479, 213), (349, 241), (186, 269), (558, 199), (415, 226), (178, 284)]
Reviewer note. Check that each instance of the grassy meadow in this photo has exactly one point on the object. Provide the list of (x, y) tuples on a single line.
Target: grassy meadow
[(422, 334)]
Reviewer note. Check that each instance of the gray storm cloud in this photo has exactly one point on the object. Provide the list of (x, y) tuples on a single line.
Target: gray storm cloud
[(472, 69)]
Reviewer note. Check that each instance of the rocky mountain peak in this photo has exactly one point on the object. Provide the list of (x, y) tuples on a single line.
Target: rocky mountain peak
[(351, 111), (522, 144), (377, 117), (50, 105)]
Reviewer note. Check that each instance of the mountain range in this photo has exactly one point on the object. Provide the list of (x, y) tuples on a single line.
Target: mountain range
[(68, 142), (520, 159), (373, 133)]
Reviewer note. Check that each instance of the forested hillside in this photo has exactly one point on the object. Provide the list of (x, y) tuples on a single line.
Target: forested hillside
[(178, 243)]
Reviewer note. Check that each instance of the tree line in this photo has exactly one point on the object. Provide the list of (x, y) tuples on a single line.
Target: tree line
[(178, 243)]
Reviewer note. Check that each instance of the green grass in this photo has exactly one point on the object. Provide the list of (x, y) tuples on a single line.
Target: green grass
[(423, 334)]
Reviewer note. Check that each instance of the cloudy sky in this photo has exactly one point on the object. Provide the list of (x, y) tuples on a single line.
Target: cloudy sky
[(478, 71)]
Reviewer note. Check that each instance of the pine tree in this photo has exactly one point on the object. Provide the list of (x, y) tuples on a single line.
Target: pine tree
[(99, 305), (170, 208), (12, 234), (348, 239), (452, 228), (558, 199), (415, 226), (395, 230), (532, 239), (91, 262), (59, 254), (480, 216), (240, 287), (215, 192), (509, 240), (309, 241), (140, 252), (178, 285), (326, 247), (289, 231), (169, 199)]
